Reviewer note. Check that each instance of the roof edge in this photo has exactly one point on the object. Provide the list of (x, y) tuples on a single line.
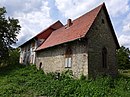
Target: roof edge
[(113, 31), (40, 33), (59, 44), (101, 5)]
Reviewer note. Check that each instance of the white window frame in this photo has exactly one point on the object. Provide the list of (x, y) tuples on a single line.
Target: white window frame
[(68, 62)]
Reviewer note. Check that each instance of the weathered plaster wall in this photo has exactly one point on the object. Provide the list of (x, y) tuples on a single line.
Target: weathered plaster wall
[(101, 36), (27, 53), (53, 59)]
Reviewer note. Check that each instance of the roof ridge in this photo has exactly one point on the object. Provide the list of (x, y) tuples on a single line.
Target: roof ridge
[(99, 6), (78, 29), (41, 31), (48, 27), (89, 12)]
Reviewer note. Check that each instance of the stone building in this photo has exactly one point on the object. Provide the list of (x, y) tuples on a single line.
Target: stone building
[(86, 45), (27, 49)]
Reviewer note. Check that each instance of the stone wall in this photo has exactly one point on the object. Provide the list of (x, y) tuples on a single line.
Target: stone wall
[(87, 55), (100, 36), (53, 59)]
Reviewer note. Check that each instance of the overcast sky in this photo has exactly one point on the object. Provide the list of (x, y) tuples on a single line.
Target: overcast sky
[(36, 15)]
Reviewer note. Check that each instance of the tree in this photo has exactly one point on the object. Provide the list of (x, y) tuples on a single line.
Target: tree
[(123, 58), (9, 28), (13, 57)]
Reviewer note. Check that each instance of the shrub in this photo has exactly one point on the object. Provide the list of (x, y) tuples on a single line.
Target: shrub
[(27, 81)]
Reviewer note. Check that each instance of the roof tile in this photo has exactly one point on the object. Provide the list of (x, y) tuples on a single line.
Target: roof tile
[(78, 29)]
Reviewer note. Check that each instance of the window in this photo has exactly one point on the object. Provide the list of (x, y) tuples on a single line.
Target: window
[(68, 62), (32, 58), (68, 57), (28, 48), (33, 45), (23, 49), (21, 60), (40, 65), (104, 57), (103, 21)]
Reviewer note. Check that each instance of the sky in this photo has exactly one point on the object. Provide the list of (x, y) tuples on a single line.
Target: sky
[(35, 15)]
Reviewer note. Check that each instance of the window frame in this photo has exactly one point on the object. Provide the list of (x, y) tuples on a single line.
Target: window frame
[(68, 58), (68, 62)]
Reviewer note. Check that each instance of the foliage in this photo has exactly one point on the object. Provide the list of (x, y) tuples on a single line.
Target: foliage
[(123, 56), (27, 81), (13, 58), (9, 29), (125, 72)]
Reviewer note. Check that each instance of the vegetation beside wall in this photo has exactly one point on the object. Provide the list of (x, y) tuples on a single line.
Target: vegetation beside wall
[(13, 58), (123, 58), (27, 81), (9, 29)]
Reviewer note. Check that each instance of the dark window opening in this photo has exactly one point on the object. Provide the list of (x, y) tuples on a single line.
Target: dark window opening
[(103, 21), (68, 52), (104, 57), (28, 48), (40, 65)]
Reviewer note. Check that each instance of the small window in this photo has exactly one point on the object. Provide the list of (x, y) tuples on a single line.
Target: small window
[(21, 60), (104, 57), (68, 58), (28, 48), (68, 62), (33, 45), (40, 65), (103, 21), (22, 49), (25, 49)]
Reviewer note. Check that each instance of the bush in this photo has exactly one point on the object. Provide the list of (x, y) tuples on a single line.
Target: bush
[(27, 81), (123, 58), (13, 58)]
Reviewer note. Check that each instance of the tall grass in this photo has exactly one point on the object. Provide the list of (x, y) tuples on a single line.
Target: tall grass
[(27, 81)]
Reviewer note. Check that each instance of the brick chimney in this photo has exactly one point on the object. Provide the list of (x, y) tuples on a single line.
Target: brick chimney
[(69, 22)]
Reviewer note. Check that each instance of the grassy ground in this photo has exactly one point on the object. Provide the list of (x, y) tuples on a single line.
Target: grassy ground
[(27, 81)]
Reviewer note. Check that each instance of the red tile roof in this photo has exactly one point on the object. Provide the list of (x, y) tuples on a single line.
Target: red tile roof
[(78, 29), (46, 32)]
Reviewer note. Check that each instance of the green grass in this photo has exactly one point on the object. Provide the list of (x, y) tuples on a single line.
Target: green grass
[(27, 81)]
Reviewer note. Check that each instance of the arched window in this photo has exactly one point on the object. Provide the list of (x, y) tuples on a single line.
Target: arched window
[(68, 57), (40, 65), (104, 57)]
